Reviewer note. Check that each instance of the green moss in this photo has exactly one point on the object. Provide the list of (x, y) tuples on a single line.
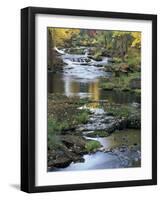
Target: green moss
[(92, 145), (97, 56), (98, 134)]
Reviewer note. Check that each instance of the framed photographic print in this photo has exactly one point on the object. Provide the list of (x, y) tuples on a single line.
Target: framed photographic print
[(88, 99)]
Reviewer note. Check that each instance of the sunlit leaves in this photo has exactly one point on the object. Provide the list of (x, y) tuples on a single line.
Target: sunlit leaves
[(137, 39), (60, 35)]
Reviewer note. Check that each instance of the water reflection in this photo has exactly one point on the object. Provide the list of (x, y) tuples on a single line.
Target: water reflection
[(70, 86)]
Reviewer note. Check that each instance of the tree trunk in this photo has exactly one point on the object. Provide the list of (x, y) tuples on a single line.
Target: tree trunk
[(49, 49)]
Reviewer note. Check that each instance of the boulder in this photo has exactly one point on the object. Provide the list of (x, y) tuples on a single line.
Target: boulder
[(134, 121)]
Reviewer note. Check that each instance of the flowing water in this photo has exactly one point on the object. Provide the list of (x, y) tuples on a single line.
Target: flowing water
[(116, 158), (81, 77)]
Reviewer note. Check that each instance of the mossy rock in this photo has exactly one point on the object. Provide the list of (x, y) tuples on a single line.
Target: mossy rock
[(98, 134), (108, 86), (92, 145)]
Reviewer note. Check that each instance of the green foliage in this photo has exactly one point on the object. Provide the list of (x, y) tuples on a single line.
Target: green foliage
[(92, 145), (123, 46), (134, 58), (121, 41), (136, 39), (121, 82), (121, 111), (55, 127), (61, 35), (117, 60), (82, 117), (63, 113), (107, 86), (97, 56)]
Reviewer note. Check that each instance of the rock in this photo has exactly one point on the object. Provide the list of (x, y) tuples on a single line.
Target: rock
[(101, 149), (107, 150), (124, 67), (134, 121), (135, 83), (76, 143), (100, 133), (61, 162), (70, 149), (79, 160), (110, 60), (108, 68), (136, 105), (123, 149)]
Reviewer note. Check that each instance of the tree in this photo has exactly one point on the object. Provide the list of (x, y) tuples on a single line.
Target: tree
[(136, 39), (62, 35), (50, 45), (121, 42)]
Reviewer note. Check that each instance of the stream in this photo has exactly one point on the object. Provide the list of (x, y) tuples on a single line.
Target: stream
[(81, 78)]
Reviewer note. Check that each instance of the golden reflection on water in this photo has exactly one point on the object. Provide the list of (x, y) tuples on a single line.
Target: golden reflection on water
[(75, 87), (95, 94), (92, 89)]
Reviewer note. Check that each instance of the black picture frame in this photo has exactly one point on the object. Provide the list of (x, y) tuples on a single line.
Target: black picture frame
[(28, 98)]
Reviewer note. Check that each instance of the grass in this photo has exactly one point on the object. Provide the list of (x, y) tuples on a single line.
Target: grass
[(54, 130), (108, 86), (121, 82), (121, 111), (133, 59), (58, 125), (64, 115), (82, 117), (92, 145)]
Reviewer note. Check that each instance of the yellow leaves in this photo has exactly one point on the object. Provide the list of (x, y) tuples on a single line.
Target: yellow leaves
[(137, 39), (118, 34), (60, 35)]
